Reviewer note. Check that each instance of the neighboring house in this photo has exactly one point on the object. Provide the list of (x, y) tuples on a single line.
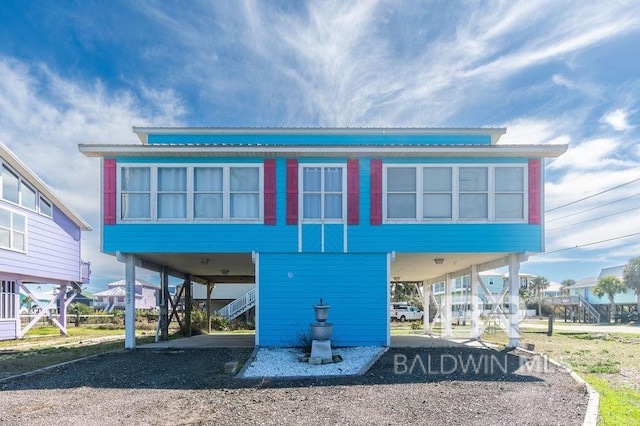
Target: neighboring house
[(323, 213), (493, 283), (40, 238), (221, 294), (585, 288), (114, 296)]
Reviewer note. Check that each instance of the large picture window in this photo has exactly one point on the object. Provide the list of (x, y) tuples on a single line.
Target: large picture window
[(13, 230), (323, 193), (178, 193), (454, 193)]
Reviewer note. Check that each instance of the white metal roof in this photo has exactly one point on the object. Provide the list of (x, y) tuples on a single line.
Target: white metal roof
[(209, 150)]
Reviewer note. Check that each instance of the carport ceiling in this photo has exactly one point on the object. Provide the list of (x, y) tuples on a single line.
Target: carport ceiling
[(406, 267)]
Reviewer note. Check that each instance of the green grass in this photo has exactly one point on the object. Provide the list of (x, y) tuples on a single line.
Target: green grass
[(618, 405)]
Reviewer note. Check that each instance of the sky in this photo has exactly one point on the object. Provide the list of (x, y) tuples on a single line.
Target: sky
[(74, 72)]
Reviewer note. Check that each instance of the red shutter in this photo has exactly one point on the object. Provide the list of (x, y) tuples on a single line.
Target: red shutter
[(269, 192), (353, 192), (534, 192), (109, 182), (292, 192), (376, 192)]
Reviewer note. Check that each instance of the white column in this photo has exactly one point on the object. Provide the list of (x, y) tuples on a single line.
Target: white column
[(62, 308), (16, 306), (426, 298), (514, 300), (256, 261), (448, 305), (130, 302), (475, 314)]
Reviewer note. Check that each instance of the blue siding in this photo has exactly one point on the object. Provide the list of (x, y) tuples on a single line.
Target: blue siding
[(354, 285), (53, 249), (382, 139)]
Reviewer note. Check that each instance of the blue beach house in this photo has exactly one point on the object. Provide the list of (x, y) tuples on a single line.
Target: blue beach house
[(331, 213), (40, 242)]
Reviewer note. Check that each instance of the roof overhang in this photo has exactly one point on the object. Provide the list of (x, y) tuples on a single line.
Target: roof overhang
[(206, 150), (144, 132), (15, 163)]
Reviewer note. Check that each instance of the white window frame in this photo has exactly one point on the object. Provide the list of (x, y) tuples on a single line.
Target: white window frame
[(42, 199), (322, 166), (153, 198), (455, 207), (11, 230)]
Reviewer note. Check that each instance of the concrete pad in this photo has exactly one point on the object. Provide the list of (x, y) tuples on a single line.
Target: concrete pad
[(206, 341), (429, 341)]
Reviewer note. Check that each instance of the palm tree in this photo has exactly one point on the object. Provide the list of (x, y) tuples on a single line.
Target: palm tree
[(631, 279), (538, 285), (610, 286), (566, 284)]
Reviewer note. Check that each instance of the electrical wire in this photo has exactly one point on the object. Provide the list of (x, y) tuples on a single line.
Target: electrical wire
[(588, 244), (594, 195), (593, 208), (595, 218)]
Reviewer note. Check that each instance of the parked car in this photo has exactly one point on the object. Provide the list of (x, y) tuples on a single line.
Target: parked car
[(626, 317), (406, 313)]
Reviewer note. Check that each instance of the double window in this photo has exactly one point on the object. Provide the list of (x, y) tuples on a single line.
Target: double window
[(323, 193), (13, 230), (448, 193), (191, 193)]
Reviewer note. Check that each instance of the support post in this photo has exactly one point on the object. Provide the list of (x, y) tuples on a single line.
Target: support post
[(514, 300), (475, 314), (209, 289), (187, 306), (164, 304), (448, 305), (130, 302), (426, 303)]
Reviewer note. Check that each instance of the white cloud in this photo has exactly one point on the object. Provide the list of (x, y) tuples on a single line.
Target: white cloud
[(617, 119), (43, 118)]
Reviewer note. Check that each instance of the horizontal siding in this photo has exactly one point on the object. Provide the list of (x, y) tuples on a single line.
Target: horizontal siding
[(199, 237), (53, 249), (354, 285), (382, 139), (7, 329)]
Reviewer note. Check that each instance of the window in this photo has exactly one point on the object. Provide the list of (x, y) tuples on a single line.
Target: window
[(10, 185), (509, 192), (473, 183), (185, 193), (28, 197), (45, 207), (13, 230), (437, 193), (172, 193), (454, 193), (136, 193), (244, 196), (323, 195), (208, 193), (401, 192)]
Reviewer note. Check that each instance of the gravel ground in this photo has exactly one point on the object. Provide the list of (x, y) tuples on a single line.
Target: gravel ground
[(440, 386)]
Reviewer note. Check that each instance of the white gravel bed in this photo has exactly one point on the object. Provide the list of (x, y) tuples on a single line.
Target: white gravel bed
[(284, 362)]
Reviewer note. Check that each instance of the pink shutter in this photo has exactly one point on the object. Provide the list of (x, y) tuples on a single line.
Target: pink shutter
[(269, 192), (109, 192), (353, 192), (376, 192), (292, 192), (534, 192)]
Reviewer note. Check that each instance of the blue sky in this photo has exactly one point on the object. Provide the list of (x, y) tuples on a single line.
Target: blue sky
[(549, 71)]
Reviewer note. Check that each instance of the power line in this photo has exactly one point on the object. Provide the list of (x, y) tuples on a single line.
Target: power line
[(588, 244), (595, 218), (591, 196), (593, 208)]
